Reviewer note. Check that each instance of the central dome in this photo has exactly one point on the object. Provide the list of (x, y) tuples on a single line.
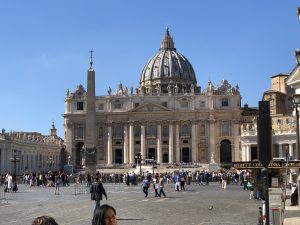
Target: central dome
[(168, 69)]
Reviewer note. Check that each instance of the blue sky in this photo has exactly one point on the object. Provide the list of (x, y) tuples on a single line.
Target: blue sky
[(44, 48)]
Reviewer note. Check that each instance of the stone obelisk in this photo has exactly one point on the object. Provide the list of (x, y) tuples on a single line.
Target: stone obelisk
[(90, 138)]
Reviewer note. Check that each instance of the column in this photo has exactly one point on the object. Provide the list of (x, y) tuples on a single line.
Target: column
[(159, 150), (291, 150), (177, 143), (109, 144), (131, 143), (171, 143), (248, 152), (143, 140), (125, 144), (212, 139), (280, 150), (194, 143), (244, 153)]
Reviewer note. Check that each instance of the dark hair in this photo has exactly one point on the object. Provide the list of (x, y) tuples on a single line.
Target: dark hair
[(44, 220), (99, 214)]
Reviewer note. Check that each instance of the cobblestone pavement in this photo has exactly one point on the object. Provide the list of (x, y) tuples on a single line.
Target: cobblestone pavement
[(205, 205)]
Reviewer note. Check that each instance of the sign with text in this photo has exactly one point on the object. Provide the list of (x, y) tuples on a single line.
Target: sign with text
[(272, 164)]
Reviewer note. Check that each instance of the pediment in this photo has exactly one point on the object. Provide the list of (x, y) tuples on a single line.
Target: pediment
[(150, 107), (294, 78)]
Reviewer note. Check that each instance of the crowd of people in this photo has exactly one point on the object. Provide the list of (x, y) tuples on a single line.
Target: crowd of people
[(105, 214)]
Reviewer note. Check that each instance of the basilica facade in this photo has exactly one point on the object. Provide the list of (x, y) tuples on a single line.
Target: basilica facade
[(167, 118)]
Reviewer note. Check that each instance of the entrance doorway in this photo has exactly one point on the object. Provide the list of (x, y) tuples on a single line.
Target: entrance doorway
[(118, 156), (185, 155), (165, 158), (225, 153), (151, 153)]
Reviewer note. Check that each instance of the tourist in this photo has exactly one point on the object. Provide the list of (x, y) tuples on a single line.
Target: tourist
[(145, 185), (294, 194), (105, 215), (57, 181), (44, 220), (97, 190), (161, 185)]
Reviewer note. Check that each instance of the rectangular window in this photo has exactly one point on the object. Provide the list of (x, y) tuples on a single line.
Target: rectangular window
[(79, 133), (79, 105), (136, 105), (164, 104), (202, 104), (100, 106), (137, 131), (225, 129), (225, 102), (184, 104), (165, 131), (117, 105), (100, 132)]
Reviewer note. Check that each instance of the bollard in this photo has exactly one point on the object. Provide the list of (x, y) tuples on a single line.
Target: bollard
[(276, 214), (260, 216)]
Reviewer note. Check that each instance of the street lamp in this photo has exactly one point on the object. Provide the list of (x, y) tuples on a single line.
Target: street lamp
[(50, 162), (14, 160), (296, 104), (297, 54), (138, 158), (153, 162)]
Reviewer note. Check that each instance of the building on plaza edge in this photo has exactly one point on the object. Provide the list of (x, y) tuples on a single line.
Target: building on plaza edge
[(167, 118), (22, 152)]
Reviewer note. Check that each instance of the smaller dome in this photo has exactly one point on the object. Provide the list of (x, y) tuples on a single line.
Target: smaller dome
[(168, 69)]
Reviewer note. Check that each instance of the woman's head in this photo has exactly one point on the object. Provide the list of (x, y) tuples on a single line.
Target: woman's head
[(44, 220), (105, 215)]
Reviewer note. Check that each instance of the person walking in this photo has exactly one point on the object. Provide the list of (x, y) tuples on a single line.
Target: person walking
[(224, 180), (161, 186), (57, 182), (97, 190), (145, 185)]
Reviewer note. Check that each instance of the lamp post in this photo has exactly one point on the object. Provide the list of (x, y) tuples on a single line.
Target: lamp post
[(14, 160), (153, 162), (138, 158), (296, 104), (50, 162)]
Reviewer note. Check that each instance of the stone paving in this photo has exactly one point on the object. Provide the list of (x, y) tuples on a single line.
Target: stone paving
[(205, 205)]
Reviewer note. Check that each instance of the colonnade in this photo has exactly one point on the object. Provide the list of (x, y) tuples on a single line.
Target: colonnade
[(173, 145), (246, 151)]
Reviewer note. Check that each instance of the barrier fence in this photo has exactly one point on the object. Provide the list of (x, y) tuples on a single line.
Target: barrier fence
[(81, 188), (2, 194)]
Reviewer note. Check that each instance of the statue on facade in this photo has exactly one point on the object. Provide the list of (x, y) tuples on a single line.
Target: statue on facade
[(68, 92), (120, 89), (169, 89), (131, 90), (210, 87), (192, 88), (109, 91), (126, 90), (158, 89), (212, 158), (176, 89)]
